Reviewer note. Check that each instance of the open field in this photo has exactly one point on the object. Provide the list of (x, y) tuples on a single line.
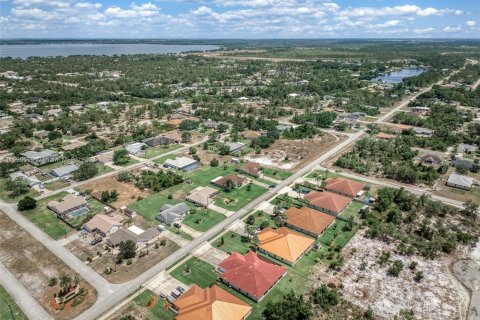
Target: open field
[(123, 272), (127, 192), (8, 308), (196, 271), (34, 265)]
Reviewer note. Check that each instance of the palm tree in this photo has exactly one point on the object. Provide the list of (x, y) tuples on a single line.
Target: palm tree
[(65, 282)]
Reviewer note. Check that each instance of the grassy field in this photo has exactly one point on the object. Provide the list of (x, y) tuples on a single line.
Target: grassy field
[(157, 311), (203, 220), (205, 174), (260, 217), (240, 196), (8, 308), (161, 160), (232, 242), (196, 271), (129, 162), (149, 207), (57, 184), (102, 169), (276, 173), (156, 151), (181, 233)]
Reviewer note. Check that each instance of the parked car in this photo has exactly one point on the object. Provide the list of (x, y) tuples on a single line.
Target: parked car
[(181, 289), (272, 186), (175, 293), (170, 299), (161, 227), (162, 295), (177, 225), (96, 240)]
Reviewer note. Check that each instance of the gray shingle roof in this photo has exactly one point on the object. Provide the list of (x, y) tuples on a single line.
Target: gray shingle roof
[(460, 180), (170, 214), (64, 171)]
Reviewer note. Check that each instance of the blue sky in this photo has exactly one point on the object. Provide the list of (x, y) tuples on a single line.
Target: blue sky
[(239, 19)]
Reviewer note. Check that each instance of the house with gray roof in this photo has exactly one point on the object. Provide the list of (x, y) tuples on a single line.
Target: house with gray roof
[(40, 157), (32, 180), (169, 214), (135, 147), (460, 162), (422, 132), (140, 237), (235, 147), (182, 163), (460, 181), (466, 148), (64, 171), (159, 141)]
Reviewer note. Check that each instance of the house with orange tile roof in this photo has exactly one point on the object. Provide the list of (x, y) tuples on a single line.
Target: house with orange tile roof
[(308, 221), (328, 202), (212, 303), (250, 274), (284, 244), (174, 123), (345, 187)]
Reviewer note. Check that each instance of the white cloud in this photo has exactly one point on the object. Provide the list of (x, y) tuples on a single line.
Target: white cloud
[(471, 23), (452, 29), (88, 5), (49, 3), (424, 30)]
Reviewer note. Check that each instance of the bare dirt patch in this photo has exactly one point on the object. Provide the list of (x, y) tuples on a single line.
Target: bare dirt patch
[(123, 272), (365, 283), (127, 192), (298, 152), (34, 265)]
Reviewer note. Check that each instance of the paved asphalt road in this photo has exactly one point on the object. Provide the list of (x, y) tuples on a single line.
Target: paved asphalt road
[(110, 294)]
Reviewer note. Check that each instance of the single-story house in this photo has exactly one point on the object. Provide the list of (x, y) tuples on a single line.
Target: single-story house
[(135, 147), (41, 134), (420, 109), (460, 181), (422, 132), (235, 146), (32, 180), (103, 224), (201, 196), (251, 169), (222, 181), (210, 124), (250, 134), (250, 274), (284, 244), (308, 221), (64, 171), (103, 157), (140, 237), (345, 187), (466, 148), (182, 163), (69, 205), (174, 123), (212, 303), (460, 162), (159, 141), (328, 202), (40, 157), (430, 157), (284, 127), (169, 214)]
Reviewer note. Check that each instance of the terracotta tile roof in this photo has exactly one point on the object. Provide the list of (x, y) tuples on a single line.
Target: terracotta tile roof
[(174, 122), (250, 273), (327, 200), (308, 219), (210, 304), (284, 243), (250, 134), (345, 186)]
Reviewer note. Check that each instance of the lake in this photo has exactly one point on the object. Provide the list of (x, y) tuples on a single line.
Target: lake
[(398, 76), (69, 49)]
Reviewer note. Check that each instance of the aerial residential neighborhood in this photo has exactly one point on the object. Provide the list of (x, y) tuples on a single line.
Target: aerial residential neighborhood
[(302, 164)]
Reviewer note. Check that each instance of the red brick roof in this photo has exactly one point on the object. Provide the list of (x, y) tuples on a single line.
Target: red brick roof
[(345, 186), (251, 168), (251, 273), (309, 220), (328, 200)]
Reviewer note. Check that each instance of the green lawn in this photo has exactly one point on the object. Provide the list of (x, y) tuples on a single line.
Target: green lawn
[(156, 151), (149, 207), (196, 271), (276, 174), (8, 308), (129, 162), (161, 160), (232, 242), (260, 217), (102, 169), (241, 197), (57, 184), (157, 312), (5, 194), (352, 210), (181, 233), (205, 174), (203, 220)]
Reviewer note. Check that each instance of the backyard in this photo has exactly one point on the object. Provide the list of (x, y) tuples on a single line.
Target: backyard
[(196, 271)]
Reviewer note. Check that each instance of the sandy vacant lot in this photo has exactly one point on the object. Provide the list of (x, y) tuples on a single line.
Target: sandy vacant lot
[(438, 296), (33, 265), (127, 192), (299, 152)]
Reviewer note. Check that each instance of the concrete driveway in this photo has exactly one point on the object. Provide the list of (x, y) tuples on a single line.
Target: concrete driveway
[(164, 283), (210, 254)]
